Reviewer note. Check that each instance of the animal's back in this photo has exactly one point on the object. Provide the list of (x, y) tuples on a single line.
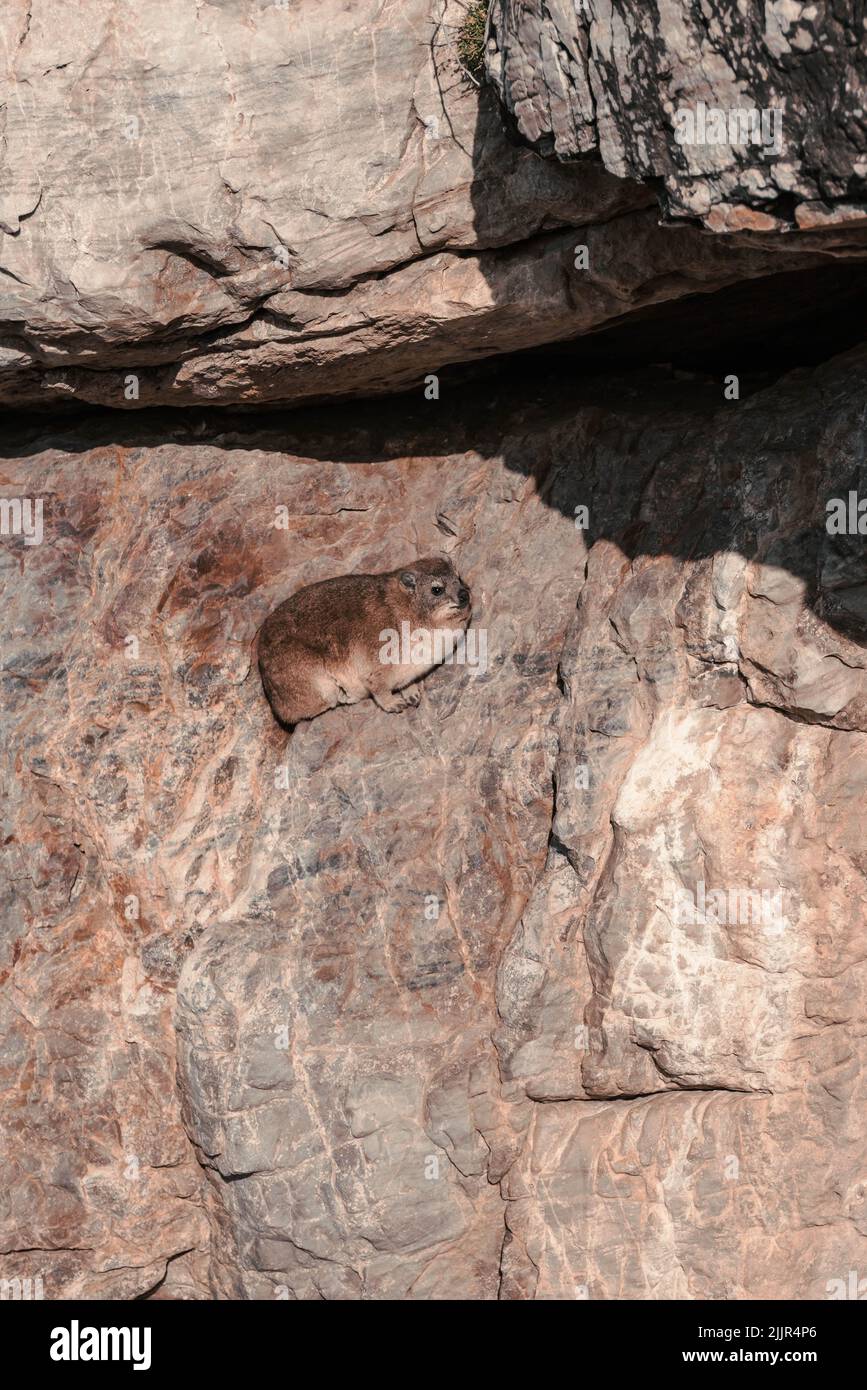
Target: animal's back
[(321, 616), (306, 646)]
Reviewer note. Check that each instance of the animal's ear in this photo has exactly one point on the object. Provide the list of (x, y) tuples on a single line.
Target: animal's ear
[(407, 579)]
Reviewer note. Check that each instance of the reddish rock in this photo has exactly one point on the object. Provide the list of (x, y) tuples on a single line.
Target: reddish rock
[(409, 1006)]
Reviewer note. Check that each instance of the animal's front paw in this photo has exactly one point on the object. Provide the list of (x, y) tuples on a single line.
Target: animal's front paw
[(392, 701), (413, 695)]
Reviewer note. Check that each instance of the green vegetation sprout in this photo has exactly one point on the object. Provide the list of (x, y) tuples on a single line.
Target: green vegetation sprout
[(471, 39)]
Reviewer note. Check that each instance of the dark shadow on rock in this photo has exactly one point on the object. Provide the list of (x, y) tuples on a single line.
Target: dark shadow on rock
[(671, 465), (630, 421), (662, 462)]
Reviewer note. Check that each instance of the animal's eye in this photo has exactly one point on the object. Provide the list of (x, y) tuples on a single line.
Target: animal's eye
[(437, 588)]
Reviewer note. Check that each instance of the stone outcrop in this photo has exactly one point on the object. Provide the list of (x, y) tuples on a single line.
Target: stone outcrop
[(279, 203), (287, 203), (442, 1025), (751, 117)]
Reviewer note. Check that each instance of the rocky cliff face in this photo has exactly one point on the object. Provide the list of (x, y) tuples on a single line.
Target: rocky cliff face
[(552, 987)]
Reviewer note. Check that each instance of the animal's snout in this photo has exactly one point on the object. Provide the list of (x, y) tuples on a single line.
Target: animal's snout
[(463, 596)]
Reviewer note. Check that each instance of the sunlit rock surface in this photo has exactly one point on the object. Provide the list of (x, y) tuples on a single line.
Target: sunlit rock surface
[(250, 203), (414, 1006)]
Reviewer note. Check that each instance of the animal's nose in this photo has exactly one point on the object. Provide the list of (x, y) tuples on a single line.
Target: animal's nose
[(463, 596)]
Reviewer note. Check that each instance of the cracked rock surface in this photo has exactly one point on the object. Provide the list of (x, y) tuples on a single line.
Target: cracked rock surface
[(280, 202), (408, 1005), (288, 203), (609, 77)]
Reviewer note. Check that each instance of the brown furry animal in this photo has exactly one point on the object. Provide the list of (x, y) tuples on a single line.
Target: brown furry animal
[(325, 645)]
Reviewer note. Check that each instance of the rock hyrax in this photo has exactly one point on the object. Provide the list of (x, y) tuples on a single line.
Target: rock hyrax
[(329, 644)]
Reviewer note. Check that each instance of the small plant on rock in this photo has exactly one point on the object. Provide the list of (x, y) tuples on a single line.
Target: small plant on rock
[(471, 39)]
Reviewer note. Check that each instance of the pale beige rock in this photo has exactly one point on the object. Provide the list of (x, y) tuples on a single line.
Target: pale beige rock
[(216, 201), (248, 203)]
